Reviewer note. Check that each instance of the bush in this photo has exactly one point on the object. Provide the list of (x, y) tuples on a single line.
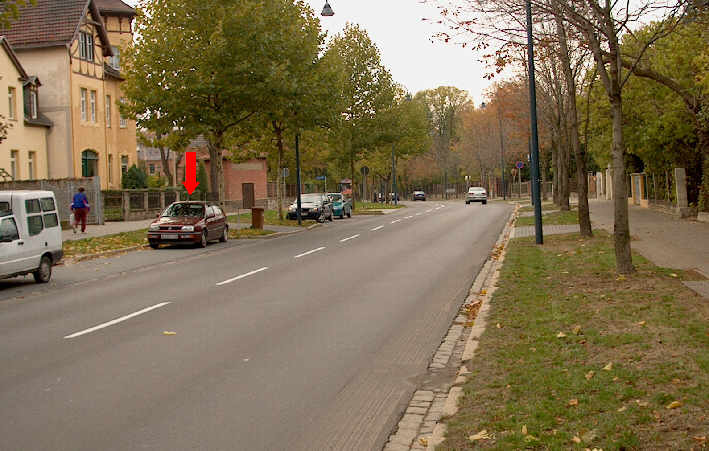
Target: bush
[(157, 181), (202, 178), (134, 178)]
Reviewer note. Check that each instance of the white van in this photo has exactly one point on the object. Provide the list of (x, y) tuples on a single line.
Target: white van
[(30, 234)]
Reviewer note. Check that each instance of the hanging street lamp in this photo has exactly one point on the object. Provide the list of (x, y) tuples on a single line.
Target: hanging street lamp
[(327, 10)]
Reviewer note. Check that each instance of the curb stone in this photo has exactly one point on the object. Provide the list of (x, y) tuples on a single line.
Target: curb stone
[(420, 427)]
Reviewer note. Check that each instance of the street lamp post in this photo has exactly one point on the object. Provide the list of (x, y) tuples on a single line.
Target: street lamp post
[(393, 175), (539, 234), (297, 171)]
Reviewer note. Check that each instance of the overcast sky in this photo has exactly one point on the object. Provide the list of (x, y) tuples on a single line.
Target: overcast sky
[(405, 43)]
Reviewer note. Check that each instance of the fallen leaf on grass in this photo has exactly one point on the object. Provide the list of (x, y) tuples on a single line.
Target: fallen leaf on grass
[(483, 292), (700, 438), (530, 438), (169, 332), (619, 278), (673, 405), (622, 409), (640, 323), (482, 435), (673, 275), (560, 335), (423, 441), (576, 439), (589, 436), (577, 330), (615, 379), (573, 402), (589, 375), (641, 403), (524, 429), (499, 326), (676, 381), (608, 367)]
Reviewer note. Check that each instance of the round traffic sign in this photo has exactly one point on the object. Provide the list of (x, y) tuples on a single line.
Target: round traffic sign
[(519, 165)]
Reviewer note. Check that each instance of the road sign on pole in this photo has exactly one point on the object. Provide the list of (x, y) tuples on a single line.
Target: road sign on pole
[(519, 165), (286, 172)]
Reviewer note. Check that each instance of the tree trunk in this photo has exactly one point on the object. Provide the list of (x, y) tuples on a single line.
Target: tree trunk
[(279, 143), (573, 127), (352, 172), (621, 229), (555, 168), (216, 167), (166, 165)]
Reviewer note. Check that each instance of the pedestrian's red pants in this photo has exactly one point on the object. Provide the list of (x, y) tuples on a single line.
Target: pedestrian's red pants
[(80, 215)]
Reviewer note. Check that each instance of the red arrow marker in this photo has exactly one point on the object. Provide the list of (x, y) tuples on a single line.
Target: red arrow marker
[(191, 182)]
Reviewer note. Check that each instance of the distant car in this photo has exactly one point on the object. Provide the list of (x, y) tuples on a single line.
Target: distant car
[(312, 206), (419, 195), (189, 223), (341, 206), (476, 194)]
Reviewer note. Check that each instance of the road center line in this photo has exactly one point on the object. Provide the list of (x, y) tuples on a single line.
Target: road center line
[(234, 279), (349, 238), (309, 252), (377, 228), (395, 221), (117, 320), (429, 211), (408, 217), (418, 214)]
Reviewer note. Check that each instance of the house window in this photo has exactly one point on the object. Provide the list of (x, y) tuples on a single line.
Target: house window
[(12, 100), (152, 169), (89, 163), (93, 106), (14, 157), (83, 104), (30, 165), (110, 169), (123, 122), (124, 164), (86, 46), (108, 111), (116, 58), (33, 104)]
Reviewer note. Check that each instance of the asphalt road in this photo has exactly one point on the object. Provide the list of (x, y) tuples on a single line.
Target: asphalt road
[(309, 341)]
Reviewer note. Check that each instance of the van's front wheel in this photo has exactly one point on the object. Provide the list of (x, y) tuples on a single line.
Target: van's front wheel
[(44, 272)]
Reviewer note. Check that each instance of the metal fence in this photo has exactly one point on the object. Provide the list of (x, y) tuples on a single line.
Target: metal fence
[(64, 190)]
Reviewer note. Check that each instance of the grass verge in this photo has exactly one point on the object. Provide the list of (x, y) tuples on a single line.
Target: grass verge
[(556, 218), (249, 233), (270, 217), (88, 246), (545, 206), (575, 357)]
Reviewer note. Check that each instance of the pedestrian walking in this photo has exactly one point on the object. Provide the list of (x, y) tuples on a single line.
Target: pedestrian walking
[(80, 207)]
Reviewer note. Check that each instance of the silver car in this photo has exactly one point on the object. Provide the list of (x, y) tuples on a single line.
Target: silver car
[(476, 194)]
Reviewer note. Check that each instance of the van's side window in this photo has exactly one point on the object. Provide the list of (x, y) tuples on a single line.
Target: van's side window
[(47, 204), (8, 230), (34, 224), (4, 206), (50, 220), (32, 206)]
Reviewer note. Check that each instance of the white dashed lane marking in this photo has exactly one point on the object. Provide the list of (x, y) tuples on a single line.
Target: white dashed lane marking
[(377, 228), (234, 279), (349, 238), (116, 321), (309, 252)]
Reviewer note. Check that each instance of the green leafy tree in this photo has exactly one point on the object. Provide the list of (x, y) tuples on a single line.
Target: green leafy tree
[(203, 67), (367, 90), (134, 178), (202, 178), (10, 10)]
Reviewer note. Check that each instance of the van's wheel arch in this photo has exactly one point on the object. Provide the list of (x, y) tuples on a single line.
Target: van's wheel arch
[(44, 272)]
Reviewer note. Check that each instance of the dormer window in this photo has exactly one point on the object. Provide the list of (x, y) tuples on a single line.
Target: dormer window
[(86, 46), (116, 58), (33, 104)]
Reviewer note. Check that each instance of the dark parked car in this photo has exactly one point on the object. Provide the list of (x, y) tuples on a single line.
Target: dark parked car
[(419, 195), (312, 206), (189, 222)]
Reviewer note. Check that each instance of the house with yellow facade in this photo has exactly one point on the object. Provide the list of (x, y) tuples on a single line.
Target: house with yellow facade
[(23, 152), (74, 47)]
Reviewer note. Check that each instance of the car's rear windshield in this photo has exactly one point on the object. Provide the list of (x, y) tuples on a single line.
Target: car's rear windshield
[(177, 210), (336, 197), (311, 197), (476, 190)]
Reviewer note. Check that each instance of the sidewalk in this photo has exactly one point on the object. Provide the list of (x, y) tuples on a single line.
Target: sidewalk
[(664, 240)]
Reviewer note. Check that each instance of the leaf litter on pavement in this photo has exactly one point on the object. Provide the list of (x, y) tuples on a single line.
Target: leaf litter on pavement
[(615, 363)]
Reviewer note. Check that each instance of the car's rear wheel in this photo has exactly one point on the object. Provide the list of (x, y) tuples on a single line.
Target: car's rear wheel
[(349, 213), (225, 235), (203, 241), (484, 202), (155, 245), (44, 272)]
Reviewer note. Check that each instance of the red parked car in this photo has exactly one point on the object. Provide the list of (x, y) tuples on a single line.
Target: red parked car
[(189, 222)]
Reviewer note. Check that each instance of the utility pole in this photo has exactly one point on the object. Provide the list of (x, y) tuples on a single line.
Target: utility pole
[(393, 175), (539, 233), (297, 170)]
